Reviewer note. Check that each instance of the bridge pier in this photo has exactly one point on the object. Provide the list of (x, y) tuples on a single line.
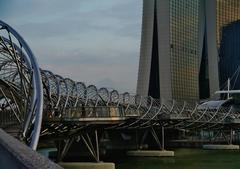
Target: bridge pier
[(87, 165), (153, 153), (220, 147), (229, 146), (91, 140)]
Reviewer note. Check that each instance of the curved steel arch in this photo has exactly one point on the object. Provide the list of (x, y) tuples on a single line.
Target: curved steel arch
[(36, 106)]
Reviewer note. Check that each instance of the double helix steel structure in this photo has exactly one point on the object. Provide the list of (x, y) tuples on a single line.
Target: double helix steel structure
[(37, 103)]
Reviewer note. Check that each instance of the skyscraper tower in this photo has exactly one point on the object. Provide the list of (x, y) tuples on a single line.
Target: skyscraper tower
[(228, 41), (181, 45)]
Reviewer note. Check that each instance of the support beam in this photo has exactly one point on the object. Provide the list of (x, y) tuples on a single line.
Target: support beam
[(154, 134), (66, 147), (97, 146), (143, 139), (231, 136), (93, 147), (163, 138)]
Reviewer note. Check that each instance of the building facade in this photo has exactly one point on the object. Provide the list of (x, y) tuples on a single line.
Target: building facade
[(184, 60), (181, 45), (228, 41)]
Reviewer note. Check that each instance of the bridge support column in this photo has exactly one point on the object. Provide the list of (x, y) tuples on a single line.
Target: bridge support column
[(92, 144), (94, 150), (141, 145), (90, 140), (153, 153), (63, 151), (163, 138), (231, 136), (228, 146)]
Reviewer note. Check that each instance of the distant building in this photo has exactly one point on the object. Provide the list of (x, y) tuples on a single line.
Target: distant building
[(228, 23), (180, 47)]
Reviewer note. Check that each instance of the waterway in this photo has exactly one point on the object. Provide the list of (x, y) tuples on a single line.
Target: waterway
[(184, 159)]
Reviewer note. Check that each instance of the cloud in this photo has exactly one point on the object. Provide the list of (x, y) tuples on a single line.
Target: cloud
[(92, 41)]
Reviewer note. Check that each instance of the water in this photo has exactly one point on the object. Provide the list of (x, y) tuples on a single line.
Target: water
[(185, 159)]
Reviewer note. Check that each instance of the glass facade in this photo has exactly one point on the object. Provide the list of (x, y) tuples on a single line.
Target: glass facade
[(228, 40), (228, 11), (184, 49), (186, 55)]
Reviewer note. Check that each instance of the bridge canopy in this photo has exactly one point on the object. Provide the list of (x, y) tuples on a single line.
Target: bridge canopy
[(214, 104)]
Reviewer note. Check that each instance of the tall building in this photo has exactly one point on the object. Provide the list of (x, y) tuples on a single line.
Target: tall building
[(228, 41), (180, 47), (222, 40)]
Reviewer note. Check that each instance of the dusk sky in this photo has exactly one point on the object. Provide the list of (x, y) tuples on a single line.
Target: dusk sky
[(93, 41)]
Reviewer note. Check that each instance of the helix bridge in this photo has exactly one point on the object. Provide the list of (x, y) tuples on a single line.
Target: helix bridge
[(39, 104)]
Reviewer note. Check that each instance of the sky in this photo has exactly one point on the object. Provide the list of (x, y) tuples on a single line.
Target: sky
[(92, 41)]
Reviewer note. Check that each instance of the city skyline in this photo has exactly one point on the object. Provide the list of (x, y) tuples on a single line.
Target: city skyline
[(68, 73)]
